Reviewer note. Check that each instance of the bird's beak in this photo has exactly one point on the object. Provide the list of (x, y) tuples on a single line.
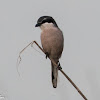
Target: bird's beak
[(37, 25)]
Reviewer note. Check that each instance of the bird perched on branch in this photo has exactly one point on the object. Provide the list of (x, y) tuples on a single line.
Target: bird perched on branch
[(52, 42)]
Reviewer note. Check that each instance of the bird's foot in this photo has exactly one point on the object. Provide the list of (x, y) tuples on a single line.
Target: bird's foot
[(47, 55), (59, 66)]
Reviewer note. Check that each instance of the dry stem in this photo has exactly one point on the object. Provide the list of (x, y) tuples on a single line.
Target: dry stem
[(56, 66)]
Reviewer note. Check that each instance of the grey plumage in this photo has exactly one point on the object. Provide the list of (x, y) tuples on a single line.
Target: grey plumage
[(52, 42)]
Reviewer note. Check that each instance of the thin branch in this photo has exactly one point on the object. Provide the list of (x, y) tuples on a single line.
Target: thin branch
[(56, 66), (19, 57), (64, 74)]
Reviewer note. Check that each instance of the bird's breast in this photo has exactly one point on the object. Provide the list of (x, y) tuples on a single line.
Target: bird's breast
[(52, 41)]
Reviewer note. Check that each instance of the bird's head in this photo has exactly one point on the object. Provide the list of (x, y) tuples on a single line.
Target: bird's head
[(45, 19)]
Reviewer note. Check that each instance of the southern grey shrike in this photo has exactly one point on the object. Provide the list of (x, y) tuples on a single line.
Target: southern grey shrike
[(52, 42)]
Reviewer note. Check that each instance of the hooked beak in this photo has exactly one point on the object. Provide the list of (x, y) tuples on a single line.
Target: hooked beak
[(37, 25)]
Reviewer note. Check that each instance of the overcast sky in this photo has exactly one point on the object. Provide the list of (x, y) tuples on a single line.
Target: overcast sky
[(80, 22)]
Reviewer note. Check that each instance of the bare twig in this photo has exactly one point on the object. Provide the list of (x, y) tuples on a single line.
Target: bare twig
[(65, 75), (56, 66), (19, 57), (26, 47)]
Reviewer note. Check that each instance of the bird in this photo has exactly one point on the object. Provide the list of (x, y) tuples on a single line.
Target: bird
[(52, 41)]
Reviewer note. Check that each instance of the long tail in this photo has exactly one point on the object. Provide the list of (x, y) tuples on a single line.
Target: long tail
[(54, 73)]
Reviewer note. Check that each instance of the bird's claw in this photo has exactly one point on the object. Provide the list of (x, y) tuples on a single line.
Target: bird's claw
[(59, 67), (47, 55)]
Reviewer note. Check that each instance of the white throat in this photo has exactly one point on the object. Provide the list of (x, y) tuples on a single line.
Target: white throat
[(46, 26)]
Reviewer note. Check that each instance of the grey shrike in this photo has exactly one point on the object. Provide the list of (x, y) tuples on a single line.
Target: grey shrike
[(52, 42)]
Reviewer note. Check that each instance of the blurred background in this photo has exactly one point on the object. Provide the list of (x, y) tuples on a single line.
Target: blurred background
[(80, 22)]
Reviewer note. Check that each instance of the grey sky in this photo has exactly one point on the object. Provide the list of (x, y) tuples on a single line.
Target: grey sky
[(80, 22)]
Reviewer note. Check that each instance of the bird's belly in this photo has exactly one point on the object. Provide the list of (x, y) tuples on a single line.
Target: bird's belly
[(53, 44)]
